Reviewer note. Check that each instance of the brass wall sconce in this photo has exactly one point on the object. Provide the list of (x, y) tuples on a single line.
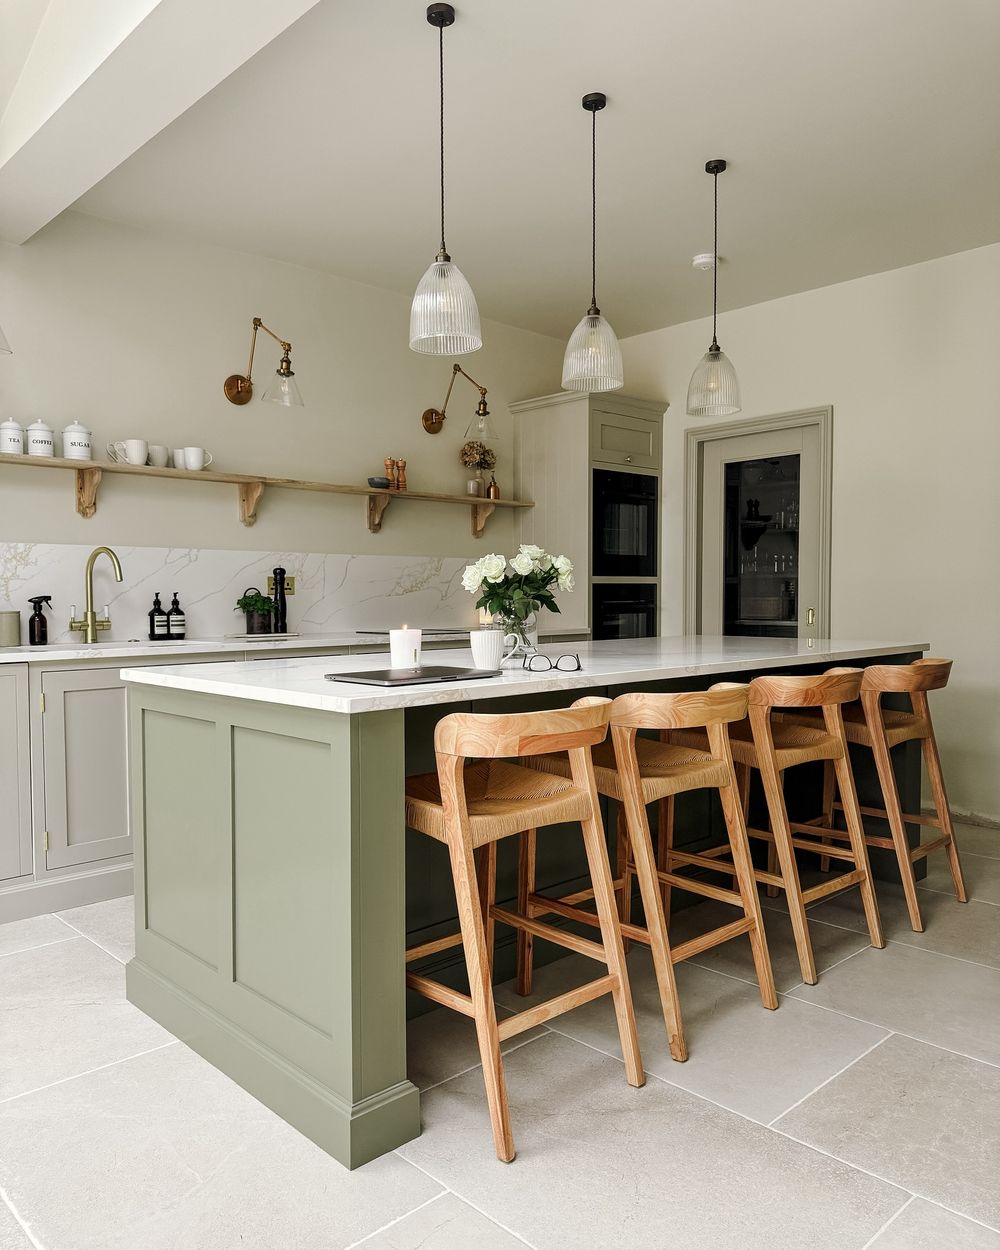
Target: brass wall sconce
[(283, 390), (480, 426)]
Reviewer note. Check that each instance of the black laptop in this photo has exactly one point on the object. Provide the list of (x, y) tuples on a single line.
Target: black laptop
[(412, 676)]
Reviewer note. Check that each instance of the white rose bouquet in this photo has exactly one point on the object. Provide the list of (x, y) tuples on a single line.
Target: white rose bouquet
[(516, 589)]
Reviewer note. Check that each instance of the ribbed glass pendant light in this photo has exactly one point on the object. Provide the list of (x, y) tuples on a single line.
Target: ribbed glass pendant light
[(593, 360), (714, 390), (444, 318)]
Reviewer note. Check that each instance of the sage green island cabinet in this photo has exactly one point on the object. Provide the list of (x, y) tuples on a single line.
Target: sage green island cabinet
[(15, 774), (271, 853)]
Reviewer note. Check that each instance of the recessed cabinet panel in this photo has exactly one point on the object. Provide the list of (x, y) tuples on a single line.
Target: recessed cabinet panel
[(616, 438), (15, 798), (86, 786)]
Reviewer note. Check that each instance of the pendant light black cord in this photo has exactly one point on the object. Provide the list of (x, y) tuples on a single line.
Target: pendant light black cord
[(715, 265), (444, 250), (594, 310)]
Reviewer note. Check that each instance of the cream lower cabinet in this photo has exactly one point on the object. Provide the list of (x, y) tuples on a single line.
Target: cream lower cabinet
[(15, 774), (85, 767)]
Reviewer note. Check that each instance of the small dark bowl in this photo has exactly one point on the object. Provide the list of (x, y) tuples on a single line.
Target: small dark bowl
[(380, 483)]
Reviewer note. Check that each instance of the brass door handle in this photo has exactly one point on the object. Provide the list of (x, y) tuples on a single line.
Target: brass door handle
[(628, 459), (810, 616)]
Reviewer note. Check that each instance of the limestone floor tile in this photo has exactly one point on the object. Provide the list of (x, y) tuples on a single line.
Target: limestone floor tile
[(742, 1056), (977, 840), (601, 1164), (163, 1151), (982, 877), (12, 1235), (924, 1226), (916, 1115), (63, 1012), (447, 1223), (23, 935), (946, 1002), (963, 930), (441, 1043), (110, 924), (830, 945)]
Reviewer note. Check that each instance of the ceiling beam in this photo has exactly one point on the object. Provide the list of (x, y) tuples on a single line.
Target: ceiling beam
[(93, 92)]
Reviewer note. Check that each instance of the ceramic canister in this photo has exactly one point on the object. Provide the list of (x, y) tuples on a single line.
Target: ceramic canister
[(39, 440), (76, 442), (11, 438)]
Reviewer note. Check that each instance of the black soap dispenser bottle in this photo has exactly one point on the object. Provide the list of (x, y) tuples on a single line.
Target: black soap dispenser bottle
[(176, 620), (38, 626), (157, 620), (280, 602)]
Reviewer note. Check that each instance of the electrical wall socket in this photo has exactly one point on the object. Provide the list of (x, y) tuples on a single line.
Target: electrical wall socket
[(289, 585)]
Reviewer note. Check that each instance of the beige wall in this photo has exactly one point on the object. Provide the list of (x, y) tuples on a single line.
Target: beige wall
[(907, 359), (133, 333)]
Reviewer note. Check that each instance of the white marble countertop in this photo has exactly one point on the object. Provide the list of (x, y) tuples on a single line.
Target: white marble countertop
[(58, 651), (302, 682)]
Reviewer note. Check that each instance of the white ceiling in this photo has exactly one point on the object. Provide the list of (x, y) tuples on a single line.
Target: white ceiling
[(862, 135), (19, 23)]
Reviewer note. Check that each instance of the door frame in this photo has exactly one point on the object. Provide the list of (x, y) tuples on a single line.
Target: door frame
[(695, 439)]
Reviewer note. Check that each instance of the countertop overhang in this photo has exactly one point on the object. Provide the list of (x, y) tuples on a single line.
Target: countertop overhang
[(302, 682)]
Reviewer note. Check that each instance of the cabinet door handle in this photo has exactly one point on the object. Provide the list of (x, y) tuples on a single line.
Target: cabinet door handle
[(811, 616), (628, 459)]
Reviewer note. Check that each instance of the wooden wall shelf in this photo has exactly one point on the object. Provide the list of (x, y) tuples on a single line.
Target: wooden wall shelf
[(251, 487)]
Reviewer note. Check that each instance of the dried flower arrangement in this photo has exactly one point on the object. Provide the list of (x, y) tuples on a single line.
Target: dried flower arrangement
[(476, 455)]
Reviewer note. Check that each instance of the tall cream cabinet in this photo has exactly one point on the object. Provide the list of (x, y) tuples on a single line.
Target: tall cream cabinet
[(558, 441)]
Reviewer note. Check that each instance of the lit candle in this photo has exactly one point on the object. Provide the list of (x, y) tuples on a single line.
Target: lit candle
[(404, 647)]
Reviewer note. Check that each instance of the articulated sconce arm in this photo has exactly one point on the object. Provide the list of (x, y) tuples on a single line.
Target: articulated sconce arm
[(433, 419), (239, 388)]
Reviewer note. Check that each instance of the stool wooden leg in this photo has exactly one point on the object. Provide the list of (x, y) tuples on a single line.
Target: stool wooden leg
[(852, 814), (782, 844), (893, 810), (940, 795), (623, 870), (829, 794), (526, 851), (486, 879), (481, 992), (607, 914), (664, 845)]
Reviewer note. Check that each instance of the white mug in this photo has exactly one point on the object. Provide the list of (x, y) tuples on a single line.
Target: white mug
[(131, 450), (404, 648), (488, 647), (158, 456), (196, 458), (178, 457)]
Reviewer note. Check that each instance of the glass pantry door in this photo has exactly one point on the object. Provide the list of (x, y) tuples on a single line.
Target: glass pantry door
[(761, 535)]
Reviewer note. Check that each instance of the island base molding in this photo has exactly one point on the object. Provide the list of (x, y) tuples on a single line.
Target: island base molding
[(353, 1134)]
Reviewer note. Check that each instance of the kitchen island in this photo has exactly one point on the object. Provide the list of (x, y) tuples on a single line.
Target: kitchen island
[(275, 888)]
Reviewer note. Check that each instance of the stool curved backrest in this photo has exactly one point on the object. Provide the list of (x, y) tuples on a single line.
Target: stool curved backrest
[(721, 704), (474, 735), (829, 689), (925, 674)]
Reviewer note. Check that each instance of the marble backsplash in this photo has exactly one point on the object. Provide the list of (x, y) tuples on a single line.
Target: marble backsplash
[(332, 592)]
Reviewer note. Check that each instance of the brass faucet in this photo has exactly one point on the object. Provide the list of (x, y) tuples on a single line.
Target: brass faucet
[(89, 625)]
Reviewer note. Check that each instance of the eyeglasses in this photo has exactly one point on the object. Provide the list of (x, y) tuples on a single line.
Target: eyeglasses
[(539, 663)]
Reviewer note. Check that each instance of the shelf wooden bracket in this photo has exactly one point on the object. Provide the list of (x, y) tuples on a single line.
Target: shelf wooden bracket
[(481, 513), (377, 504), (250, 496), (87, 482)]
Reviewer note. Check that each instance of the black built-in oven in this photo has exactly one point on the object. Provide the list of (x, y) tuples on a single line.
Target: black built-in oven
[(623, 610), (624, 524)]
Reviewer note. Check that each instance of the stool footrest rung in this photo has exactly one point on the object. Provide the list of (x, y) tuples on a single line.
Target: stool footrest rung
[(439, 993), (884, 815), (510, 1026), (703, 859), (925, 848), (432, 948), (714, 937), (805, 844), (824, 888), (812, 827), (542, 905), (582, 946), (704, 888)]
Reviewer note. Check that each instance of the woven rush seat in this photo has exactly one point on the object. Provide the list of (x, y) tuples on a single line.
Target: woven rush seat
[(497, 794), (899, 726), (666, 768), (796, 741)]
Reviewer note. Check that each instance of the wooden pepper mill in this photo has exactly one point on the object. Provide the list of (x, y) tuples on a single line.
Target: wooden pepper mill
[(401, 475), (390, 471)]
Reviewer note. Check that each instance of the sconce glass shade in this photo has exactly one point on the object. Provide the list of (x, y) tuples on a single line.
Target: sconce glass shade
[(593, 360), (283, 390), (481, 427), (4, 345), (444, 318), (714, 390)]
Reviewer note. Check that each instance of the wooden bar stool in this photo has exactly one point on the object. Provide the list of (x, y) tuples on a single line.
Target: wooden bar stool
[(638, 771), (470, 807), (880, 729), (772, 744)]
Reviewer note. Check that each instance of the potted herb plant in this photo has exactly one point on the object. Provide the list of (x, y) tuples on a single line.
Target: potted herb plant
[(258, 608), (513, 592), (476, 455)]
